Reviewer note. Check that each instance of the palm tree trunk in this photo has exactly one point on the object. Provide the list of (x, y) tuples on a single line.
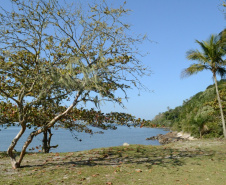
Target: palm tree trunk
[(220, 105)]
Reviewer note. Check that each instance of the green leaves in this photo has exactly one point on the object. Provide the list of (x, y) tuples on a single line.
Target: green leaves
[(210, 57), (8, 113), (53, 53), (199, 115), (194, 69)]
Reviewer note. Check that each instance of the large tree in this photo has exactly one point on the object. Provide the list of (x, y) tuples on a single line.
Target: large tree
[(209, 58), (52, 52), (39, 117)]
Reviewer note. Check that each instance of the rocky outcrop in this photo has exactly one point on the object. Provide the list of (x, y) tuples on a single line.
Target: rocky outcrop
[(171, 137)]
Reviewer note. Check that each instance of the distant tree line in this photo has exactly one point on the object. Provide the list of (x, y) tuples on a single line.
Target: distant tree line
[(199, 115)]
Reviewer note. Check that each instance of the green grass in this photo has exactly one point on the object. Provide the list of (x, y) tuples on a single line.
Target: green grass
[(193, 162)]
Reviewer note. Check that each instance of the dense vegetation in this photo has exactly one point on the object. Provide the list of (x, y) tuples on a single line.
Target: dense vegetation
[(199, 115)]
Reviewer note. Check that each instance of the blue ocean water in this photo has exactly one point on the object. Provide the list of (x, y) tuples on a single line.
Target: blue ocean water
[(67, 143)]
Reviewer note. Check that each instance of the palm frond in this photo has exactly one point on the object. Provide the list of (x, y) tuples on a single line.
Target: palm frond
[(221, 71), (193, 69), (210, 57), (205, 48), (212, 48), (196, 55), (222, 39)]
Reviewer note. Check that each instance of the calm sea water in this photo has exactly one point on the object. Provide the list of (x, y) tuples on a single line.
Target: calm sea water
[(67, 143)]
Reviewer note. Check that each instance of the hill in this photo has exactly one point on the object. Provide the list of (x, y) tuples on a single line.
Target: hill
[(199, 115)]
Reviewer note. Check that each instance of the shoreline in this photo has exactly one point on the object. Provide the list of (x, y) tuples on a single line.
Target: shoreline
[(172, 136)]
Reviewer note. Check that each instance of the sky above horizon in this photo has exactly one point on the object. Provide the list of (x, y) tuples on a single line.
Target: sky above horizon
[(173, 26)]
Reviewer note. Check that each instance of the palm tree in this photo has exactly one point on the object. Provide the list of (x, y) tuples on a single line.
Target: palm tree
[(210, 58)]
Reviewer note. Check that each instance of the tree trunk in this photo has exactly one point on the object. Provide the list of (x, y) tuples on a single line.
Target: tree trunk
[(13, 144), (45, 128), (49, 140), (220, 106), (46, 141)]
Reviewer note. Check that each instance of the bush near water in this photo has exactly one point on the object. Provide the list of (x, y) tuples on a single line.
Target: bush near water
[(199, 115)]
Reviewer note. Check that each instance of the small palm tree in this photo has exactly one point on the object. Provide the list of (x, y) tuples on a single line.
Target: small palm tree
[(209, 59)]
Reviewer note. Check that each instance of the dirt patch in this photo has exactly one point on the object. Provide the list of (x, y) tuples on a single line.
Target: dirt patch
[(199, 143)]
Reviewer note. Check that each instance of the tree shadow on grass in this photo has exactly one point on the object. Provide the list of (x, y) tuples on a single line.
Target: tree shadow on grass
[(149, 156)]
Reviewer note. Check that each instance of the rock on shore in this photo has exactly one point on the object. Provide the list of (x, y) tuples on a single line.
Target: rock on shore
[(172, 137)]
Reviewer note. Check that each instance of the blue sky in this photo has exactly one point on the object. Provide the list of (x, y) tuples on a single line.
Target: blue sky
[(174, 25)]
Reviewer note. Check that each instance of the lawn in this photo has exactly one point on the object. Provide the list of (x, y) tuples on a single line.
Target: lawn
[(191, 162)]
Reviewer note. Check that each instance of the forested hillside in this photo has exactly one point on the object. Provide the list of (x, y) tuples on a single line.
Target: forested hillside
[(199, 115)]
